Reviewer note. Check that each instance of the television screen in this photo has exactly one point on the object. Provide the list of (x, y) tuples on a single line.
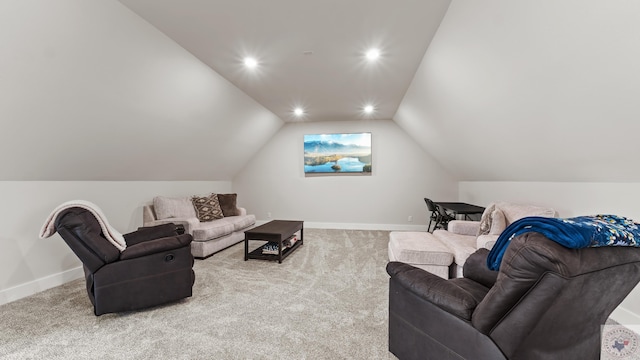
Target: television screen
[(337, 153)]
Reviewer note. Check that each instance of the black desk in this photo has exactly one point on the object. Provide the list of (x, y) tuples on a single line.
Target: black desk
[(460, 208)]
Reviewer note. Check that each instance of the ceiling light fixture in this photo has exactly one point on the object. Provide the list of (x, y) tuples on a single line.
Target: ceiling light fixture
[(369, 109), (373, 54), (298, 111), (250, 62)]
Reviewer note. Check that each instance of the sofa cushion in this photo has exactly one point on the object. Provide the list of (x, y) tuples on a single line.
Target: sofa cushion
[(513, 212), (207, 207), (212, 230), (228, 203), (497, 216), (486, 241), (461, 246), (241, 222), (419, 248), (167, 207)]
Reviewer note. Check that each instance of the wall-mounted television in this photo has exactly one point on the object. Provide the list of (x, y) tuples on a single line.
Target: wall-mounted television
[(337, 153)]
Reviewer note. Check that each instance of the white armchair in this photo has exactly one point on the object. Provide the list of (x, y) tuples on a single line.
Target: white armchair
[(465, 237)]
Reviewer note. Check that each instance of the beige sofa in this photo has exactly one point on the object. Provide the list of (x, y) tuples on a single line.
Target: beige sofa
[(444, 252), (463, 237), (209, 237)]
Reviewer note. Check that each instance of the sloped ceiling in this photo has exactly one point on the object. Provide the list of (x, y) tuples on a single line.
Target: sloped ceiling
[(311, 53), (531, 91), (506, 90), (89, 91)]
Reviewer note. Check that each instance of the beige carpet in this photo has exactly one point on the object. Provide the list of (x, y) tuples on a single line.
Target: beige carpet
[(328, 300)]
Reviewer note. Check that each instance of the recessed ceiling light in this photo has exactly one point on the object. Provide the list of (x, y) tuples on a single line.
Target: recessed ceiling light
[(369, 109), (373, 54), (298, 111), (250, 62)]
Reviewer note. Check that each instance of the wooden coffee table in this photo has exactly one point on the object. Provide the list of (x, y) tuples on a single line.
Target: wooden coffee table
[(276, 231)]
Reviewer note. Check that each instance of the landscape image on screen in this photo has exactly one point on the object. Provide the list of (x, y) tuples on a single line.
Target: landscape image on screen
[(337, 153)]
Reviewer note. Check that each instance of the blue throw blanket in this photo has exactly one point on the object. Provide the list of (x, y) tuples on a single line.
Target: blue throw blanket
[(577, 232)]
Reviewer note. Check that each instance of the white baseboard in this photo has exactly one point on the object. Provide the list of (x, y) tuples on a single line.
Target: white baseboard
[(353, 226), (35, 286), (625, 317)]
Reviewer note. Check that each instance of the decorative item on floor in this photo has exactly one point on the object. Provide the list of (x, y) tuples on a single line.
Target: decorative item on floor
[(547, 301), (215, 221), (124, 272), (337, 154)]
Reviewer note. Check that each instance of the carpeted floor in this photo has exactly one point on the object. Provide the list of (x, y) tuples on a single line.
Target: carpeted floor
[(328, 300)]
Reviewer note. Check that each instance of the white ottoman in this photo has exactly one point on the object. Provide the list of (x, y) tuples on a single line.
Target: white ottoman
[(422, 250)]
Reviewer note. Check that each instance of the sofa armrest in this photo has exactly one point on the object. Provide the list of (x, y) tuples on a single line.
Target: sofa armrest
[(155, 246), (188, 223), (476, 269), (443, 293), (464, 227), (148, 214), (242, 211)]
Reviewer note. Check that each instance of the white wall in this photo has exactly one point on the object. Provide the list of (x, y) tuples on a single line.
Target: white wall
[(91, 91), (29, 264), (520, 90), (403, 174), (570, 199)]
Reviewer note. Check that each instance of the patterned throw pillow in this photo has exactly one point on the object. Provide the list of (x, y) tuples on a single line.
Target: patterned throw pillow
[(207, 207)]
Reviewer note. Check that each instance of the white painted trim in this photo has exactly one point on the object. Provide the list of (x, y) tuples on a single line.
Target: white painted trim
[(625, 317), (35, 286), (352, 226)]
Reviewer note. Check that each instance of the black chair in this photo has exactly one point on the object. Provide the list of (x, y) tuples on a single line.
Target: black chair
[(439, 215), (155, 268), (545, 302)]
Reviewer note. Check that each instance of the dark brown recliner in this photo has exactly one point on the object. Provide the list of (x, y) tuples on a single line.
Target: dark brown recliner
[(155, 268), (546, 302)]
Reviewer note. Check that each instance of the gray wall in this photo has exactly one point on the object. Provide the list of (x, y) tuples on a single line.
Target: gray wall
[(403, 174), (29, 264)]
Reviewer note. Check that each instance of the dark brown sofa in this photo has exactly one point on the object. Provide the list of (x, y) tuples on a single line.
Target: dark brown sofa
[(155, 268), (546, 302)]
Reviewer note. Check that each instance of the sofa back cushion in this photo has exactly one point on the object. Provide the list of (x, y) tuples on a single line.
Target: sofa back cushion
[(228, 203), (498, 216), (167, 207), (513, 212)]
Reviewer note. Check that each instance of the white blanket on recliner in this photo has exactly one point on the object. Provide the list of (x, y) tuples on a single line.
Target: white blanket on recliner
[(49, 228)]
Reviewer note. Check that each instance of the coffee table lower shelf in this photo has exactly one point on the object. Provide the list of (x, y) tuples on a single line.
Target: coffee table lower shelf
[(257, 253)]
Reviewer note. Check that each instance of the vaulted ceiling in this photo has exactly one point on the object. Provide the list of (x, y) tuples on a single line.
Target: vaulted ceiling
[(506, 90), (310, 54), (494, 90)]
